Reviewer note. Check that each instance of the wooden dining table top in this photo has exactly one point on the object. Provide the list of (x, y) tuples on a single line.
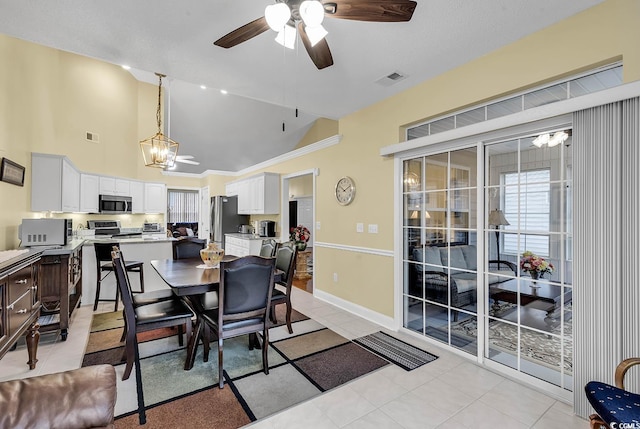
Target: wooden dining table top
[(188, 277)]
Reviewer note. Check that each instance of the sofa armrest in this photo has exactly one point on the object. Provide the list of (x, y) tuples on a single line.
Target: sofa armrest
[(80, 398), (497, 263)]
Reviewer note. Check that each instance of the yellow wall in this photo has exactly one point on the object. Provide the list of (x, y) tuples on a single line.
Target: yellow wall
[(41, 121), (321, 129)]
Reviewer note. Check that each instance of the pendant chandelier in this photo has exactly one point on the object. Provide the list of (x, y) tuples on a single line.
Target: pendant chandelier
[(159, 150)]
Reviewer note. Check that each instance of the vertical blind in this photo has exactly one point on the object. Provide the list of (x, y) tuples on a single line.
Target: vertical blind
[(183, 206)]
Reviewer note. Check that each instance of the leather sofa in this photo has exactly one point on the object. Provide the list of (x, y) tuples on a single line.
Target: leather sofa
[(76, 399), (432, 272)]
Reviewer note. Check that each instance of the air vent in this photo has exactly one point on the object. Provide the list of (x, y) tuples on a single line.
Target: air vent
[(391, 78), (93, 137)]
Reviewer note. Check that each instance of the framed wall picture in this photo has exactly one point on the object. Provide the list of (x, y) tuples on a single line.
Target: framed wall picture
[(11, 172)]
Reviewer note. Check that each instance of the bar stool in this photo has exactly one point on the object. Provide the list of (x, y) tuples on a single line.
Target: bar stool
[(105, 264)]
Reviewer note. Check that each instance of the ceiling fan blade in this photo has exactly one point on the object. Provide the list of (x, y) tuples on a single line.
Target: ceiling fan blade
[(186, 161), (242, 34), (184, 157), (320, 53), (371, 10)]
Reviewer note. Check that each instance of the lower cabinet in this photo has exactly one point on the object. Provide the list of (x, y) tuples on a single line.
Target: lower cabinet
[(237, 246), (20, 305), (61, 289)]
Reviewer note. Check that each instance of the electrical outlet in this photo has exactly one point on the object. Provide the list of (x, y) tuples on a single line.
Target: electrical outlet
[(359, 227), (335, 277), (373, 228), (318, 225)]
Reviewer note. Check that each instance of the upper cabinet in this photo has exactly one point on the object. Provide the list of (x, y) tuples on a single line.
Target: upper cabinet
[(137, 196), (114, 186), (89, 191), (155, 198), (55, 184), (258, 194)]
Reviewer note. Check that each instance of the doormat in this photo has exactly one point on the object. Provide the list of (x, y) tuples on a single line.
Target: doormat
[(395, 351)]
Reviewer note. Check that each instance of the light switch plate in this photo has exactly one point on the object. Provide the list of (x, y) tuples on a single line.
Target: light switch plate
[(318, 225), (359, 227), (373, 228)]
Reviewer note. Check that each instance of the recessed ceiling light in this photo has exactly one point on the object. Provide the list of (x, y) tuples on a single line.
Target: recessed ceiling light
[(223, 91), (203, 87), (126, 67)]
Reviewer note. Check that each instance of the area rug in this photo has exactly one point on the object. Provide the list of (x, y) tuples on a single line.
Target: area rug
[(535, 346), (302, 366), (396, 351)]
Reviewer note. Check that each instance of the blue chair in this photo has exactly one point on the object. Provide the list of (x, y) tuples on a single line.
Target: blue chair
[(613, 404)]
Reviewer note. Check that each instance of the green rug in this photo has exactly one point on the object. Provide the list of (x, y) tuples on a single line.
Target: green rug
[(302, 366)]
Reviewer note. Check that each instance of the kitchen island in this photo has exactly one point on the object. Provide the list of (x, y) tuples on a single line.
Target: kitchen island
[(238, 244)]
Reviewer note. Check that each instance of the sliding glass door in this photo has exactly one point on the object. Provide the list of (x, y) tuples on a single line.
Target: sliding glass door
[(509, 300)]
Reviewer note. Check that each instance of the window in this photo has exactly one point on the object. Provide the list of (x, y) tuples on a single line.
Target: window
[(527, 198), (183, 206)]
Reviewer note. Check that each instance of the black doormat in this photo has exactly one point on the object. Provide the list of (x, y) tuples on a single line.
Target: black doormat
[(395, 351)]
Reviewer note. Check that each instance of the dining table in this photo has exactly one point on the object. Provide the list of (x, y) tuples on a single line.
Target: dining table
[(190, 279)]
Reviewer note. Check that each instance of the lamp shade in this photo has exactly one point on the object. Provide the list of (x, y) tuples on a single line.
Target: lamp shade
[(277, 15), (287, 37), (312, 12), (496, 218), (315, 34)]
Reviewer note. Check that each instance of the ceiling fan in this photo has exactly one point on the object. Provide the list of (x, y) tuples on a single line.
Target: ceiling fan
[(184, 159), (286, 15)]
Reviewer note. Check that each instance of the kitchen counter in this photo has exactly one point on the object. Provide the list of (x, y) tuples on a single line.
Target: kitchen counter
[(144, 238), (246, 236), (243, 244)]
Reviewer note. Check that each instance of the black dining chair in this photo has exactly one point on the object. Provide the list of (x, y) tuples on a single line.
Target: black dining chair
[(188, 247), (148, 317), (104, 264), (243, 308), (268, 248), (285, 262)]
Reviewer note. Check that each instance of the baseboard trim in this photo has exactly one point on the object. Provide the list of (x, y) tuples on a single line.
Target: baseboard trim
[(370, 315)]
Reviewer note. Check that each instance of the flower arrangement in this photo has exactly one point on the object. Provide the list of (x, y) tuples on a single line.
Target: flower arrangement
[(535, 265), (299, 234)]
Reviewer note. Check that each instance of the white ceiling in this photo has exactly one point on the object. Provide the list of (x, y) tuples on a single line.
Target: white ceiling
[(245, 127)]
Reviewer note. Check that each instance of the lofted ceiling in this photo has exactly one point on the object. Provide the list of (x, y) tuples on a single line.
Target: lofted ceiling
[(265, 82)]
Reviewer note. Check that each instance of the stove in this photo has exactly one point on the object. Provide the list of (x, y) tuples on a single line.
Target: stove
[(110, 228)]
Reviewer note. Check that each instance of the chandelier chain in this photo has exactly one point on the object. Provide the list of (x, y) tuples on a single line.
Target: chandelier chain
[(158, 117)]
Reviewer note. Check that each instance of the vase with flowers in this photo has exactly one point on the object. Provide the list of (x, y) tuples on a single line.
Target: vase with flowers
[(535, 266), (300, 236)]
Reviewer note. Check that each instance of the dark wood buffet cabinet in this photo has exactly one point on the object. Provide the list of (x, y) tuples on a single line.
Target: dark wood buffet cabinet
[(20, 303)]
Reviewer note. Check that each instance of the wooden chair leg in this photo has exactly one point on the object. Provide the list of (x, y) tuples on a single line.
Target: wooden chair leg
[(95, 302), (289, 317), (595, 422), (220, 374), (142, 417), (117, 298), (272, 316), (180, 336), (265, 350), (206, 342), (130, 347)]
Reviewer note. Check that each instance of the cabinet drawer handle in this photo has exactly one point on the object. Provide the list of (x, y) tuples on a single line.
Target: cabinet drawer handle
[(24, 310), (22, 282)]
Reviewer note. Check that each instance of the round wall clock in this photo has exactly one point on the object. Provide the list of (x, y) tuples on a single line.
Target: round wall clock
[(345, 190)]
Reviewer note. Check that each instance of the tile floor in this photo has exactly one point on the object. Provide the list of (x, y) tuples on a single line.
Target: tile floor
[(450, 392)]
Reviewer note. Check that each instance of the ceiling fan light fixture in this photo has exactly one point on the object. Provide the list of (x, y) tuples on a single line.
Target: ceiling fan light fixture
[(541, 140), (287, 37), (557, 138), (311, 12), (277, 15), (316, 34)]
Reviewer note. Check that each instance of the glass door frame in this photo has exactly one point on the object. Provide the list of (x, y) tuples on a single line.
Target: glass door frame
[(479, 142)]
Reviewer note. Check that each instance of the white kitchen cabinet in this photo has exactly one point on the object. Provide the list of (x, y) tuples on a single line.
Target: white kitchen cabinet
[(89, 191), (55, 184), (155, 198), (231, 189), (236, 245), (259, 194), (137, 196), (114, 186)]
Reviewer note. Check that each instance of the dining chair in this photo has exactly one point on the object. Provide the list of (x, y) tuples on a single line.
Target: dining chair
[(103, 263), (243, 308), (614, 405), (268, 248), (148, 317), (285, 262), (188, 247)]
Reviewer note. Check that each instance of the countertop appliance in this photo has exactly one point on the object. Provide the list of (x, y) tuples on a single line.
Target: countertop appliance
[(246, 229), (114, 204), (45, 232), (267, 228), (151, 227), (225, 218), (110, 228)]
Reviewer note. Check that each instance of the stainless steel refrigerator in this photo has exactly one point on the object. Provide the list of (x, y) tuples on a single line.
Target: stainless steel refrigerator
[(225, 218)]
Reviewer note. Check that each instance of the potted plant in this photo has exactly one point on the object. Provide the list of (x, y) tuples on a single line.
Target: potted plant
[(300, 235)]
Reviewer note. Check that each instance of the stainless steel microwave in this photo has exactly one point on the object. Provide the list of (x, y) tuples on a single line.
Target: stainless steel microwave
[(45, 232), (115, 204)]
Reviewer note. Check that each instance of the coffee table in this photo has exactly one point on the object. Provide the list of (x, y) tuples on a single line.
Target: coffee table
[(543, 297)]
